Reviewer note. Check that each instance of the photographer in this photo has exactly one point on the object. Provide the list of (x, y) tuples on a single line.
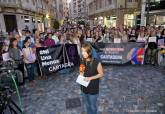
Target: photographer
[(16, 55)]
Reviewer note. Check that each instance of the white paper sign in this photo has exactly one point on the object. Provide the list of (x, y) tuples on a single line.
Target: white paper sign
[(161, 42), (6, 57), (152, 39), (141, 39), (117, 40), (81, 80), (89, 39)]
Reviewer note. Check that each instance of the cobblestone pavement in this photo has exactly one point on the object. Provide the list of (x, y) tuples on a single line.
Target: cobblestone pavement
[(123, 90)]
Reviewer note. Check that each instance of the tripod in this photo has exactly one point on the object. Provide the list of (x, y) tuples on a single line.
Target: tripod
[(7, 105)]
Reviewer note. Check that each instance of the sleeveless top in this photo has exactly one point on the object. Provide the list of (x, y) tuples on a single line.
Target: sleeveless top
[(91, 70)]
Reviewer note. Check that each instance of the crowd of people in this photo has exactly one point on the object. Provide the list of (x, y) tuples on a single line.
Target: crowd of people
[(22, 46)]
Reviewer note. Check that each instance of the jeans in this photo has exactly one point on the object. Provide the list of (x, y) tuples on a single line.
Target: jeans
[(90, 103), (30, 70), (151, 54), (36, 69), (21, 68)]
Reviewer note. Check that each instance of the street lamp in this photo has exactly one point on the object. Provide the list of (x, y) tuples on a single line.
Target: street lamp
[(47, 20), (47, 16)]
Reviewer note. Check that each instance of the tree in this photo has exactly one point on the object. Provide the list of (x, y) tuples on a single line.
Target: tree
[(56, 24)]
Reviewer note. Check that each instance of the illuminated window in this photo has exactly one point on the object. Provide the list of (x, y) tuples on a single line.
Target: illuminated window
[(155, 0), (129, 20)]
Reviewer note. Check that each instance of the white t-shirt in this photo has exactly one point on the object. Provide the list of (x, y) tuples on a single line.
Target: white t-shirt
[(141, 39), (32, 39), (124, 38), (55, 38), (89, 39), (30, 57), (22, 38)]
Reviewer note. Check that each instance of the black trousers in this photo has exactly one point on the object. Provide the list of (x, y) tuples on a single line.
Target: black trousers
[(21, 68)]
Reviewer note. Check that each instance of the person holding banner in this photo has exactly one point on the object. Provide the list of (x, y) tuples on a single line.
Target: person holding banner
[(161, 49), (162, 39), (92, 71), (49, 41), (152, 48)]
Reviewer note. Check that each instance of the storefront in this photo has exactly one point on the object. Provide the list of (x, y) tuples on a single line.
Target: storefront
[(110, 21), (157, 12), (157, 19), (116, 19), (98, 20), (129, 20)]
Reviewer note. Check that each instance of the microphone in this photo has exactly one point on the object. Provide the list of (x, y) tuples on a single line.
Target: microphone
[(82, 68)]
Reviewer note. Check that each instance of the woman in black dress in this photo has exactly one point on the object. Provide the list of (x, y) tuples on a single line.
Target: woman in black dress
[(92, 72)]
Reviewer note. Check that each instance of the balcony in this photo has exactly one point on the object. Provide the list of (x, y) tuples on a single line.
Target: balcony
[(103, 9), (79, 5), (89, 1), (46, 1), (9, 3), (132, 5), (79, 1)]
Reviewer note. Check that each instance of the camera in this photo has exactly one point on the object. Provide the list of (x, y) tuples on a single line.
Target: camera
[(8, 76), (7, 70)]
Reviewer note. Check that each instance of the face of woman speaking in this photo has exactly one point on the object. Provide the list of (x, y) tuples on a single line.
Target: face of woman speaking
[(84, 53)]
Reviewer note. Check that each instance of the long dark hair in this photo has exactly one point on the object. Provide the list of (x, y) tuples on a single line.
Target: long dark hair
[(88, 49), (26, 39), (162, 33), (11, 42)]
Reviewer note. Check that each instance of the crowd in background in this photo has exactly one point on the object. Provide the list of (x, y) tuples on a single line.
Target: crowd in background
[(22, 46)]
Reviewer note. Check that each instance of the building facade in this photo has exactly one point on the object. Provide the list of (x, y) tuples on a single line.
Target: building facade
[(156, 12), (31, 14), (62, 10), (78, 9), (66, 8), (113, 13), (73, 9)]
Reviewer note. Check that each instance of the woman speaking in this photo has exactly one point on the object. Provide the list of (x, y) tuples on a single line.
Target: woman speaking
[(92, 70)]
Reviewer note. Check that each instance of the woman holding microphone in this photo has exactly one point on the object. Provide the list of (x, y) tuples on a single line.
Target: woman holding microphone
[(92, 70)]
